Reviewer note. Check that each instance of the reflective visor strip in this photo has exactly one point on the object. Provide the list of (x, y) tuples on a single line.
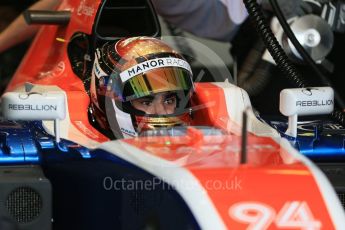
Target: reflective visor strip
[(159, 80), (154, 64)]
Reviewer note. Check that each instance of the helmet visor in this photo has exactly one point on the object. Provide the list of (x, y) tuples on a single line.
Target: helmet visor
[(155, 80)]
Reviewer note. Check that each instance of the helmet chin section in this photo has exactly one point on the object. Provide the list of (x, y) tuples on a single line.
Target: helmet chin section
[(129, 125)]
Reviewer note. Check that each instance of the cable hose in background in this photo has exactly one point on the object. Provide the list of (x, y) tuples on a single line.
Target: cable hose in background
[(255, 73), (273, 46), (277, 52), (338, 115), (259, 79)]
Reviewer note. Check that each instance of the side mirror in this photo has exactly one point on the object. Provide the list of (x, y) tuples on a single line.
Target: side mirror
[(305, 101), (29, 106)]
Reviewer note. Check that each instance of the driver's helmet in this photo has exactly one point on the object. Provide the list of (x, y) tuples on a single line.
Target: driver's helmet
[(139, 84)]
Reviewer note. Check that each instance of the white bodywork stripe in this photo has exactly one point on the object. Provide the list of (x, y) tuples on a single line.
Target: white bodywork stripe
[(237, 100), (194, 194)]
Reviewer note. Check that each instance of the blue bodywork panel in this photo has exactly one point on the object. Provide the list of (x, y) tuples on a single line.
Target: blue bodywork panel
[(24, 142), (320, 140), (86, 192)]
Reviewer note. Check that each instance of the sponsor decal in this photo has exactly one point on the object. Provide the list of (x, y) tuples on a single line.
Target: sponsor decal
[(314, 103), (59, 69), (82, 127), (154, 64), (29, 107), (85, 9), (128, 132)]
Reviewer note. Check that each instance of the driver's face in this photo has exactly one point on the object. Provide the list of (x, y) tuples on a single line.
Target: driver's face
[(160, 103)]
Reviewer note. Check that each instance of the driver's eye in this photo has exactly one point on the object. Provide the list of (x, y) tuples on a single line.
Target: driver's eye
[(170, 100), (146, 102)]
